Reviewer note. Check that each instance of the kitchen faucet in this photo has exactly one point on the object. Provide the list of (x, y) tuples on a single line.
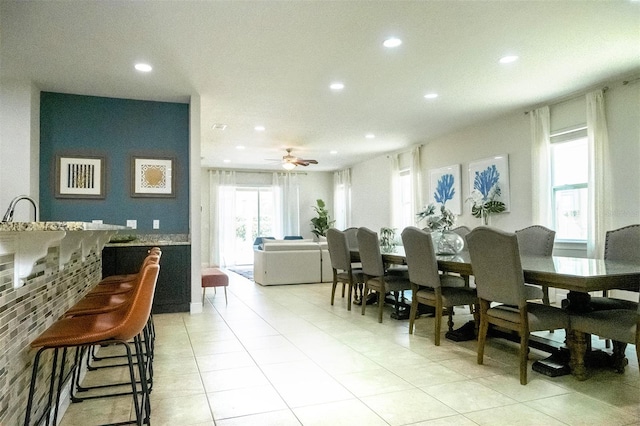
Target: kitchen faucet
[(8, 216)]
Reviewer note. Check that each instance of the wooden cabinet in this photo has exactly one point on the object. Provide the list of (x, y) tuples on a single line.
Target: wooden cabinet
[(173, 289)]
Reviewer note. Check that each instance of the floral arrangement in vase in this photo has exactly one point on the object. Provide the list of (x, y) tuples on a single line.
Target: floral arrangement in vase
[(486, 188), (445, 241), (387, 238)]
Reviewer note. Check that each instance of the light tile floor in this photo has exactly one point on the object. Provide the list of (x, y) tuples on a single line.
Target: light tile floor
[(282, 355)]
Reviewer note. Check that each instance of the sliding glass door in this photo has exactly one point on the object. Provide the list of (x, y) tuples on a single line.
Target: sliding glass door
[(254, 216)]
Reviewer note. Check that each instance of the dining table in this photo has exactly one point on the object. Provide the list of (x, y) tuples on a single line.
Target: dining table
[(579, 276)]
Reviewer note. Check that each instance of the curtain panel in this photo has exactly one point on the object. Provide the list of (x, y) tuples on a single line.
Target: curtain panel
[(600, 185), (541, 167), (286, 193), (222, 186), (342, 198)]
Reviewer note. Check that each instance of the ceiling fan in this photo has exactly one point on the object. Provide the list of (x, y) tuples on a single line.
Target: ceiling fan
[(289, 162)]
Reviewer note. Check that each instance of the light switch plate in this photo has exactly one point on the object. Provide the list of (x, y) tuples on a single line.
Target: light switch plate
[(156, 224), (132, 223)]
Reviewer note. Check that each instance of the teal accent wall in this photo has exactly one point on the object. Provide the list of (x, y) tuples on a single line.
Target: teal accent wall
[(115, 129)]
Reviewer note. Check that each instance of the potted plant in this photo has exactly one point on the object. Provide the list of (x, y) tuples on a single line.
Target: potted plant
[(322, 222)]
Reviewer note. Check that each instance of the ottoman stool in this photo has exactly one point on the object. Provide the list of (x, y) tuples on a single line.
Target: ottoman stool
[(214, 277)]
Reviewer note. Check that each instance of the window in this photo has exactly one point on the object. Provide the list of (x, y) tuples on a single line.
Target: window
[(569, 184), (254, 216)]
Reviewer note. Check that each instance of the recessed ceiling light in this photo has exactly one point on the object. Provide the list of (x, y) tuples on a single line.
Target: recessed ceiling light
[(431, 95), (370, 136), (226, 160), (336, 86), (240, 147), (392, 42), (334, 152), (508, 59), (143, 67), (259, 128)]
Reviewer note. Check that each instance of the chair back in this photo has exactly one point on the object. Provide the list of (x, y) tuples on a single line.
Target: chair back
[(136, 314), (421, 257), (536, 240), (352, 238), (338, 250), (462, 230), (495, 260), (623, 244), (370, 256)]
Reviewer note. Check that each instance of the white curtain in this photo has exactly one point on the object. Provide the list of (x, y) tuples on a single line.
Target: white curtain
[(396, 202), (416, 181), (342, 198), (222, 222), (541, 167), (286, 204), (600, 188)]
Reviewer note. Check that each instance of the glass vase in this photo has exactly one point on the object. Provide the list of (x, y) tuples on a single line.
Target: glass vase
[(447, 242)]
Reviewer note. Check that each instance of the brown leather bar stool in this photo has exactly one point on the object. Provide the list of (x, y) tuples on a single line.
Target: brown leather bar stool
[(125, 282), (116, 327), (120, 278), (104, 302)]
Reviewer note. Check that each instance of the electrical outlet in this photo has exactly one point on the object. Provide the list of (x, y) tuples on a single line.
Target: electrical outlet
[(132, 223), (156, 224)]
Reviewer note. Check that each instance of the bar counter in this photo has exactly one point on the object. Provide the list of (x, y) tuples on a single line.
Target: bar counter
[(45, 268)]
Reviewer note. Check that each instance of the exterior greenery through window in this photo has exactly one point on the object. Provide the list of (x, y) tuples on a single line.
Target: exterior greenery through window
[(569, 184)]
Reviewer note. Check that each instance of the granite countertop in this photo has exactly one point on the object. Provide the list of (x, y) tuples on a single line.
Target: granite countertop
[(57, 226), (138, 243)]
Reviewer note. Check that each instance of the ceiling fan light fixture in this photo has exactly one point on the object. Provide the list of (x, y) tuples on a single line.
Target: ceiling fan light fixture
[(288, 166)]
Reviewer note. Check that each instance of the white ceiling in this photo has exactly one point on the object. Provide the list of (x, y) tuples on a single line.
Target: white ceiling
[(270, 63)]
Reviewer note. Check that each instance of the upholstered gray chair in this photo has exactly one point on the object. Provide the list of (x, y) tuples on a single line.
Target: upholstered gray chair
[(375, 276), (495, 259), (463, 231), (620, 325), (621, 245), (343, 271), (428, 286), (536, 240), (352, 238), (352, 243)]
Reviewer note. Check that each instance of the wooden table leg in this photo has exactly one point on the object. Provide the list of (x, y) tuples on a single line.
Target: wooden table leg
[(577, 342)]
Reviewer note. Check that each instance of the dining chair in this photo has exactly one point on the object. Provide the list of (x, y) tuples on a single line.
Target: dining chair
[(343, 270), (620, 325), (536, 240), (428, 286), (495, 259), (375, 276), (621, 245), (352, 243), (463, 231)]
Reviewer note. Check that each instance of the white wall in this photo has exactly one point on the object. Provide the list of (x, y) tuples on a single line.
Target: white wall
[(623, 119), (194, 203), (19, 145), (371, 193), (510, 135)]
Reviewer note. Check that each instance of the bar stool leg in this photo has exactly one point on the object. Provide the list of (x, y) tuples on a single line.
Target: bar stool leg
[(32, 387)]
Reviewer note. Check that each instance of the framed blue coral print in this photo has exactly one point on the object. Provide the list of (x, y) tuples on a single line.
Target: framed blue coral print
[(445, 188), (489, 180)]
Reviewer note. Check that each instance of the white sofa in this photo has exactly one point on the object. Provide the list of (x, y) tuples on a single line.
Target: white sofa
[(291, 262)]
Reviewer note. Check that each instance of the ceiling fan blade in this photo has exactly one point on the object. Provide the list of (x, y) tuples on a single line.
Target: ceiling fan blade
[(304, 162)]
